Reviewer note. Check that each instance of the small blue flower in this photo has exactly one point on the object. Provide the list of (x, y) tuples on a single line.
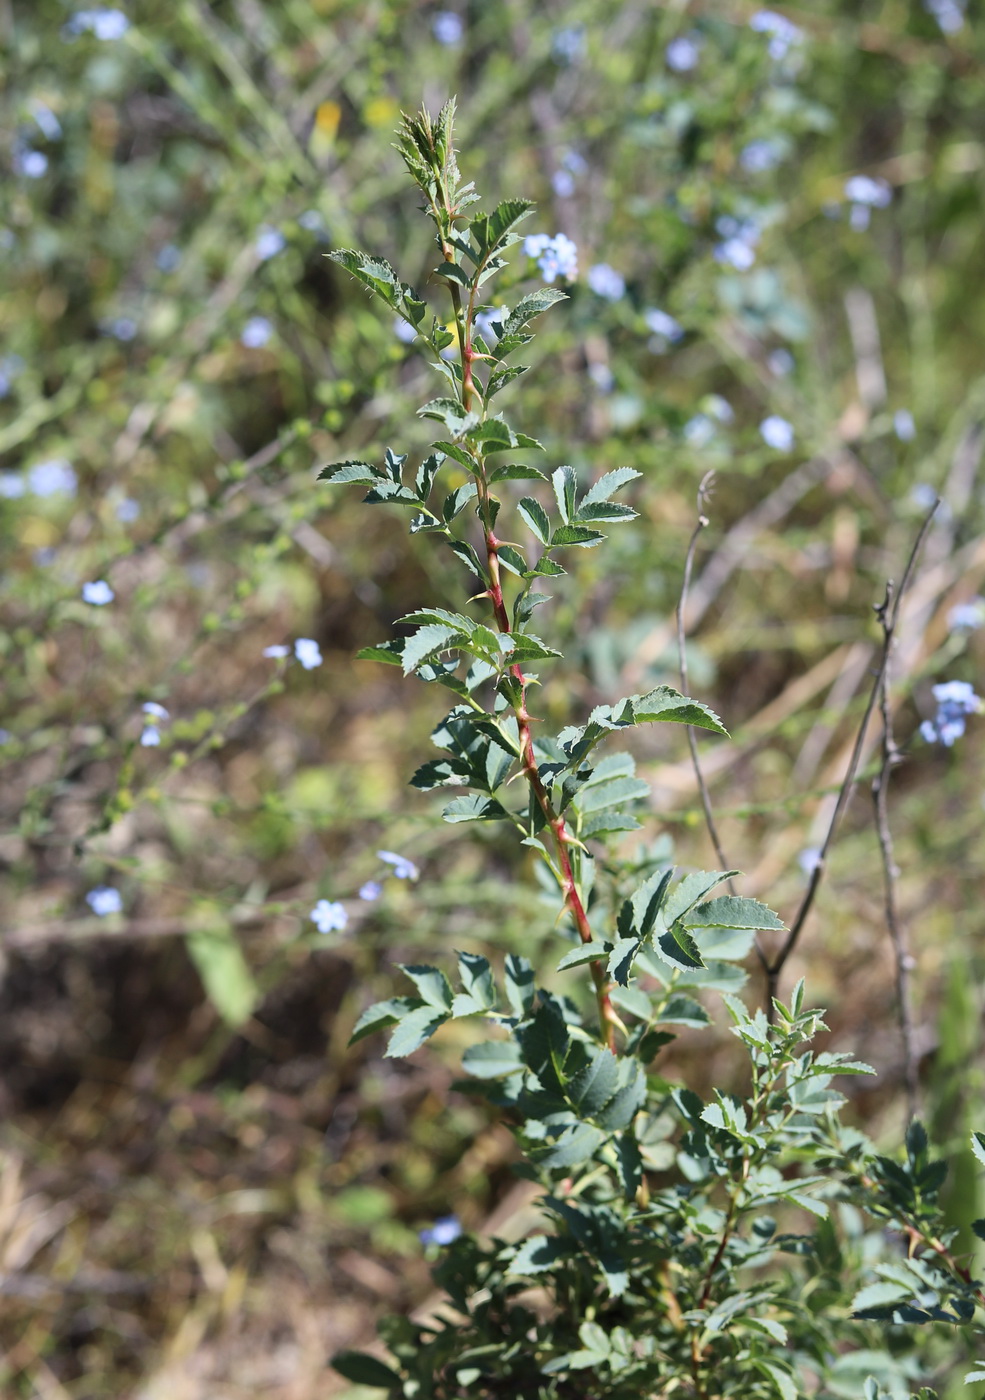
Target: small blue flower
[(783, 34), (98, 593), (48, 124), (949, 14), (682, 54), (308, 653), (370, 891), (128, 510), (602, 377), (32, 164), (447, 28), (12, 486), (151, 737), (809, 859), (777, 433), (403, 868), (605, 282), (568, 45), (329, 916), (156, 711), (955, 701), (967, 617), (52, 478), (122, 328), (104, 900), (760, 156), (781, 363), (311, 221), (169, 258), (563, 184), (903, 425), (277, 652), (556, 257), (699, 430), (443, 1232), (270, 242), (256, 332), (102, 24), (663, 326), (922, 495)]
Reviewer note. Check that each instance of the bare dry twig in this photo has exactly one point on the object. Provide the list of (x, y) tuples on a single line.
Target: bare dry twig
[(775, 967)]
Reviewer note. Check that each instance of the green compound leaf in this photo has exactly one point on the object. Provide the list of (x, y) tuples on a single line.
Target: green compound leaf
[(431, 983), (577, 1144), (427, 640), (516, 471), (666, 704), (492, 1059), (536, 518), (341, 472), (533, 304), (413, 1030), (474, 807), (679, 947), (382, 1014), (538, 1253), (608, 484), (729, 911)]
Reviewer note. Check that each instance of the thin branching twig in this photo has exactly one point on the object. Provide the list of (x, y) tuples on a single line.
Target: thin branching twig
[(774, 968), (704, 493), (887, 613)]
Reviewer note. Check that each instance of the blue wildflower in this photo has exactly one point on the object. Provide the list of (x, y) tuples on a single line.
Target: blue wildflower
[(169, 258), (568, 45), (777, 433), (308, 653), (447, 28), (955, 701), (443, 1232), (760, 156), (949, 14), (104, 900), (329, 916), (780, 362), (784, 35), (403, 868), (605, 282), (128, 510), (556, 257), (151, 737), (663, 326), (102, 24), (12, 486), (967, 617), (699, 430), (32, 164), (52, 478), (809, 859), (370, 891), (277, 653), (98, 593), (269, 242), (256, 332), (48, 124), (682, 54), (903, 425)]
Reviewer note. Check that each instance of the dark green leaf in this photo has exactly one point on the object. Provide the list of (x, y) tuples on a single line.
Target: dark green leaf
[(516, 471), (536, 518), (491, 1059), (679, 947), (576, 535), (361, 1369)]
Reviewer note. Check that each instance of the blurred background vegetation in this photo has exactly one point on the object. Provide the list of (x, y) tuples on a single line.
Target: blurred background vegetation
[(202, 1192)]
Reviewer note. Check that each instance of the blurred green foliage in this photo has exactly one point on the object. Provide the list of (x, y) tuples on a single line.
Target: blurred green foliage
[(175, 342)]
